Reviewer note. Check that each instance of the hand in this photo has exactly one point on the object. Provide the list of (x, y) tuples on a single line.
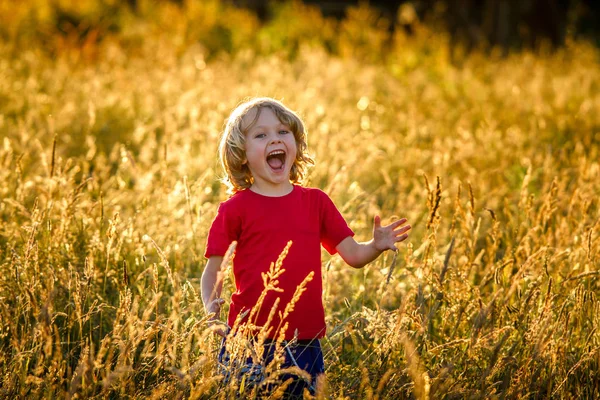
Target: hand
[(219, 327), (214, 308), (386, 237)]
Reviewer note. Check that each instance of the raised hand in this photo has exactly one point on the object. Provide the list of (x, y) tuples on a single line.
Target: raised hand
[(386, 237)]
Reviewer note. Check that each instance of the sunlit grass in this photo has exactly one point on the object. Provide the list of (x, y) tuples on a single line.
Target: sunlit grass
[(109, 183)]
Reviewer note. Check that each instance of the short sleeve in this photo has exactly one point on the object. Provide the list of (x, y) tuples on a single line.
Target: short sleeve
[(225, 229), (334, 228)]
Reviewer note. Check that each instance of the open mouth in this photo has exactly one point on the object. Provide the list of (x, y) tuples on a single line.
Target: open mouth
[(276, 159)]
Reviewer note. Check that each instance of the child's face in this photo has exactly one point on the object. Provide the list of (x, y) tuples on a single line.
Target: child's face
[(270, 150)]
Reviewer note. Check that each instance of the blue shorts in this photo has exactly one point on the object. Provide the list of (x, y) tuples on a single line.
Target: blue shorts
[(304, 354)]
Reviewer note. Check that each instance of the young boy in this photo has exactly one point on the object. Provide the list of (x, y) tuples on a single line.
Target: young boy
[(263, 151)]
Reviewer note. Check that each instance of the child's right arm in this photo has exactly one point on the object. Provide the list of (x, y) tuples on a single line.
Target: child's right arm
[(211, 286)]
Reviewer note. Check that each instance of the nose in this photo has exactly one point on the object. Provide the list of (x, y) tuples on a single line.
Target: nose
[(275, 138)]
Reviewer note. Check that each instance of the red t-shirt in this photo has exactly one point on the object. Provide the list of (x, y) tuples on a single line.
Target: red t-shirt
[(262, 226)]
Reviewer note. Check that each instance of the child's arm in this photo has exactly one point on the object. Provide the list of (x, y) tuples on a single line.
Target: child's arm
[(358, 255), (211, 286)]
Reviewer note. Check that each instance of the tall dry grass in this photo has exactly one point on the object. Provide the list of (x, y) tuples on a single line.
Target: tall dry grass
[(108, 185)]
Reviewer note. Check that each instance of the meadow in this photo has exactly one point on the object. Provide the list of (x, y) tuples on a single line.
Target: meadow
[(109, 181)]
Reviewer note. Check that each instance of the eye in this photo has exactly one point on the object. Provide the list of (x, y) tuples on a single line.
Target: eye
[(260, 135), (284, 132)]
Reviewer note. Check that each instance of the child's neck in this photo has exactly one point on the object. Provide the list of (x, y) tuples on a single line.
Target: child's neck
[(272, 190)]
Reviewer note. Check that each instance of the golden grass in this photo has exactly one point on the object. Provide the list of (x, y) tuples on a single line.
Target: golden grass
[(109, 183)]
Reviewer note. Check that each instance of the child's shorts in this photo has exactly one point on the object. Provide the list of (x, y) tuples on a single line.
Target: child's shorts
[(304, 354)]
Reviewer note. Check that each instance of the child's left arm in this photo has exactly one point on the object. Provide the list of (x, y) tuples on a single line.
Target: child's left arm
[(358, 255)]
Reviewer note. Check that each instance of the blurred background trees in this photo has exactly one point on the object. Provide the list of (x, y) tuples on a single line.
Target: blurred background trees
[(269, 25), (504, 23)]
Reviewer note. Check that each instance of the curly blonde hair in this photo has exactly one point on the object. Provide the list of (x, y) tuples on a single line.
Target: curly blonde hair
[(232, 149)]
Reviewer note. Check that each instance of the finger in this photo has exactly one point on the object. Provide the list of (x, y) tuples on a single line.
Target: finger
[(213, 313), (221, 332), (401, 238), (218, 327), (396, 224), (402, 230), (392, 247), (377, 222), (215, 303)]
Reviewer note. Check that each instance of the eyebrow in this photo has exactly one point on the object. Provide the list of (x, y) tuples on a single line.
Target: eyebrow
[(259, 127)]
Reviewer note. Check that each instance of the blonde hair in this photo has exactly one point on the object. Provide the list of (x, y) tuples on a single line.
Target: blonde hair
[(232, 150)]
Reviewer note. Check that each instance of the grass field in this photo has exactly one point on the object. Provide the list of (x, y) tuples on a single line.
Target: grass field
[(109, 183)]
